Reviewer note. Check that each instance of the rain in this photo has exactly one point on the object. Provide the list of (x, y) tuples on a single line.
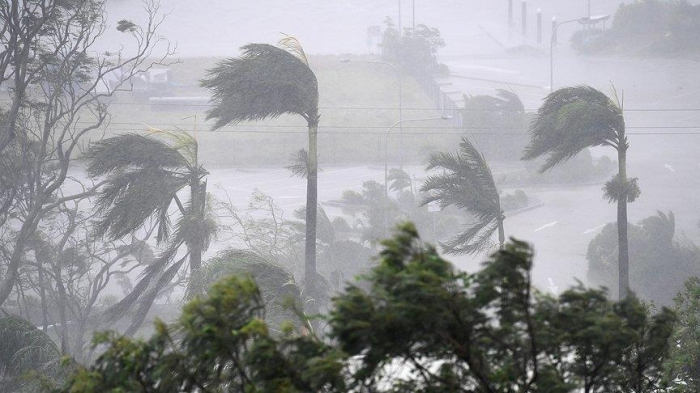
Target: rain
[(350, 195)]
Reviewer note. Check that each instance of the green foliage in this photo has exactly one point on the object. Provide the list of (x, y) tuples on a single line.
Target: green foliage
[(367, 210), (651, 27), (579, 169), (517, 200), (659, 263), (299, 165), (265, 82), (684, 364), (415, 50), (572, 119), (220, 343), (144, 175), (276, 284), (496, 124), (399, 180), (27, 355), (466, 182), (420, 326), (616, 189)]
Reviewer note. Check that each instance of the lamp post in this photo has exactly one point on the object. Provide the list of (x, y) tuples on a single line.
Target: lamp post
[(555, 26), (398, 75), (386, 162)]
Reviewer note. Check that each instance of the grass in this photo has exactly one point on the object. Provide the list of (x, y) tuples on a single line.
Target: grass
[(351, 131)]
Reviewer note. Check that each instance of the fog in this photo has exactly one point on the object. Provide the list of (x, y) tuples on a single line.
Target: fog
[(384, 113)]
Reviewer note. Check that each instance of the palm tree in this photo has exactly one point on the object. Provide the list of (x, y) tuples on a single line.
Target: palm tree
[(467, 183), (23, 349), (266, 82), (276, 284), (144, 176), (572, 119)]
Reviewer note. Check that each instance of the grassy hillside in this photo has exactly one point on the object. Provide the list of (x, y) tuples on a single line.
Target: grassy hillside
[(352, 128)]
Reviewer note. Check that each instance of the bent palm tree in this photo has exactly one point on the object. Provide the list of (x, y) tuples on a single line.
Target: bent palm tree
[(267, 82), (467, 183), (275, 283), (144, 176), (572, 119)]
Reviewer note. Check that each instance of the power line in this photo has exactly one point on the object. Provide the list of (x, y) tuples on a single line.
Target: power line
[(140, 126), (163, 104), (460, 131)]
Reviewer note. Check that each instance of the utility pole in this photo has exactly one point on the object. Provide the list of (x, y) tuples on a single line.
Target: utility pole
[(539, 25), (510, 19), (414, 15), (524, 8)]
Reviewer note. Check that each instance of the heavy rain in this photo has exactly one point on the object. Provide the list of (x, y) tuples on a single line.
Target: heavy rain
[(350, 196)]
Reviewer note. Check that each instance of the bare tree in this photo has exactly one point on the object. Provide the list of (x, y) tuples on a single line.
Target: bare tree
[(63, 101)]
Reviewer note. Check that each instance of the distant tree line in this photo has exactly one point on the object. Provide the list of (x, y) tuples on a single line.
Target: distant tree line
[(647, 27)]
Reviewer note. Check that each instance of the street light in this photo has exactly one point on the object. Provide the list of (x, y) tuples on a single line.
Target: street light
[(581, 21), (551, 46), (398, 74), (386, 162)]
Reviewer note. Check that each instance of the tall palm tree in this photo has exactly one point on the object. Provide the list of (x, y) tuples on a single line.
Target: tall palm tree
[(266, 82), (467, 183), (572, 119), (144, 176)]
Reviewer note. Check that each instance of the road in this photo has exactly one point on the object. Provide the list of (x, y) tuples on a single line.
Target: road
[(560, 230)]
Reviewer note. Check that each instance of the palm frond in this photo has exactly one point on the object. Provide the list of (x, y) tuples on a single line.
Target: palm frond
[(475, 238), (182, 142), (660, 226), (131, 151), (616, 189), (398, 179), (130, 198), (150, 273), (299, 165), (24, 348), (276, 284), (570, 120), (325, 229), (293, 46), (509, 101), (466, 182), (265, 82), (148, 297)]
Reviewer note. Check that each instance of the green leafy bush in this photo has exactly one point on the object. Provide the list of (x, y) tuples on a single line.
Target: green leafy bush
[(420, 326)]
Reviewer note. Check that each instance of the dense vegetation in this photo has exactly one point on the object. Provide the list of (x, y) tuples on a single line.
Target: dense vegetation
[(421, 326), (662, 259), (647, 27)]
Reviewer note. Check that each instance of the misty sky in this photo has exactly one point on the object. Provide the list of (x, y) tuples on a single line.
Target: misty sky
[(220, 27)]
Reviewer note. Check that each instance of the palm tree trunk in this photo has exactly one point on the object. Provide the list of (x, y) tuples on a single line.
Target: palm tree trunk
[(623, 246), (501, 233), (311, 210), (198, 198)]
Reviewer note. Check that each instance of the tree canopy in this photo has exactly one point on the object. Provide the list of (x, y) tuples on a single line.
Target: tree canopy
[(421, 326)]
